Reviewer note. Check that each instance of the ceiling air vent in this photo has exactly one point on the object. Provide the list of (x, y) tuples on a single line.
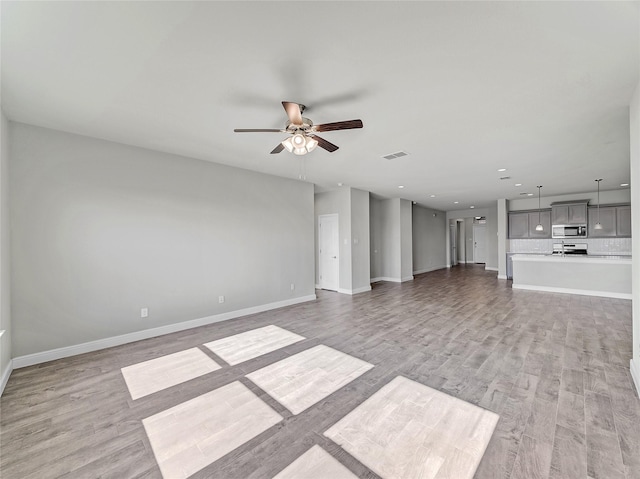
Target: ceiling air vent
[(392, 156)]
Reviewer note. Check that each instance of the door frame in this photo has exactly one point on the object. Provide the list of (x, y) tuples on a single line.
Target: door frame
[(484, 231), (453, 243), (337, 247)]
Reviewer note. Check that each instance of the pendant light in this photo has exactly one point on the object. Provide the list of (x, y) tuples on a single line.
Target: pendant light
[(598, 226), (539, 227)]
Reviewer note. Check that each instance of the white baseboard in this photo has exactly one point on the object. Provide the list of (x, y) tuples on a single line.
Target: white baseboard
[(354, 291), (502, 276), (490, 268), (53, 354), (5, 376), (635, 374), (428, 270), (583, 292), (386, 278), (318, 286), (407, 278)]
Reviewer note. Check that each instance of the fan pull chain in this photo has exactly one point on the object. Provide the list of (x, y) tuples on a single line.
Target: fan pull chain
[(302, 175)]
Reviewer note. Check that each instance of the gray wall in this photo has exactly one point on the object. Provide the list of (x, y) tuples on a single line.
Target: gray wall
[(503, 244), (360, 253), (375, 236), (391, 260), (406, 240), (492, 237), (429, 239), (391, 239), (100, 230), (5, 252)]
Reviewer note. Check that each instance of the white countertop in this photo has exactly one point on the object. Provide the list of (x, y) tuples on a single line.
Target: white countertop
[(556, 258)]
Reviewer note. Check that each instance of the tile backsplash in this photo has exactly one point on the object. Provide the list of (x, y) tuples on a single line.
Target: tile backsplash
[(613, 246)]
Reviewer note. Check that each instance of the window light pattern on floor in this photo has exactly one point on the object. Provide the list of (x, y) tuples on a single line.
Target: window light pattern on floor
[(303, 379), (316, 463), (407, 429), (196, 433), (251, 344), (161, 373)]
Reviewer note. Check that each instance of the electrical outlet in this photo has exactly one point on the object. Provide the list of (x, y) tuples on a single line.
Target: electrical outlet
[(220, 299), (144, 312), (293, 287)]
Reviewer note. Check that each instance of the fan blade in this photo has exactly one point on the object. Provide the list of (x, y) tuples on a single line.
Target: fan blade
[(339, 125), (277, 149), (327, 145), (293, 112), (258, 130)]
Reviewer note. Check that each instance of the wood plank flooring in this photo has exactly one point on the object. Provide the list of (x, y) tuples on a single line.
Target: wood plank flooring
[(554, 367)]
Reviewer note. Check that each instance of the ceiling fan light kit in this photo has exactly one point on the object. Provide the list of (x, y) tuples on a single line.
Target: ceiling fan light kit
[(303, 138), (300, 144)]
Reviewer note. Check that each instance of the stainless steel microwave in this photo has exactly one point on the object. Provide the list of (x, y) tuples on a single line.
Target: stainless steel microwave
[(569, 231)]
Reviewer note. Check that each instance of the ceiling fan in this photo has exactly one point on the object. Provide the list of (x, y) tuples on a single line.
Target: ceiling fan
[(303, 137)]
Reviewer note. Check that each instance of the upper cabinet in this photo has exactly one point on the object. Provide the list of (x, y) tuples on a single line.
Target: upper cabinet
[(543, 218), (623, 219), (518, 225), (607, 218), (522, 225), (615, 221), (569, 214)]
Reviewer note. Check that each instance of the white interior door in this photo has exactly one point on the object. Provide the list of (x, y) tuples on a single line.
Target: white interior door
[(328, 253), (479, 244)]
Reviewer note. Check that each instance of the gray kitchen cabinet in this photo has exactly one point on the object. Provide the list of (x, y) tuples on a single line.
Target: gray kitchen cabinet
[(519, 225), (569, 214), (545, 221), (560, 215), (607, 220), (522, 225), (615, 221), (623, 221), (578, 214)]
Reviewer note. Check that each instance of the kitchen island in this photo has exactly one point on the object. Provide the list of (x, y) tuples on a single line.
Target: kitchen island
[(608, 276)]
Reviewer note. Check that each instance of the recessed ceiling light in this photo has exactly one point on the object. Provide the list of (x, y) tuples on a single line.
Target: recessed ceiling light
[(624, 184), (456, 202), (339, 184), (471, 206), (415, 202), (502, 169), (518, 184), (401, 186), (529, 194), (432, 196)]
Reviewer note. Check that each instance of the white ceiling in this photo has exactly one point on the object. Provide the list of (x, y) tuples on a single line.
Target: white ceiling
[(539, 88)]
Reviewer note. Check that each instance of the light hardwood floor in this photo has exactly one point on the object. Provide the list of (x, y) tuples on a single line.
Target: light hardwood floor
[(553, 367)]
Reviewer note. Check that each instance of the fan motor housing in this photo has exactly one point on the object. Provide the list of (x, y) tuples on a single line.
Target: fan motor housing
[(306, 124)]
